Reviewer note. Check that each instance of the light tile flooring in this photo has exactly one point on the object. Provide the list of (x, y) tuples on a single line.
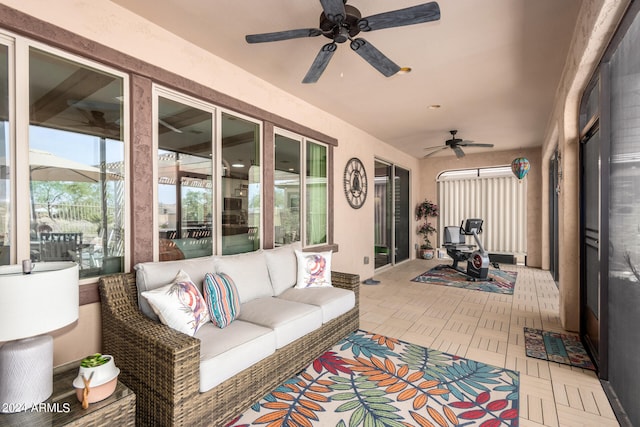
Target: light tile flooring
[(488, 327)]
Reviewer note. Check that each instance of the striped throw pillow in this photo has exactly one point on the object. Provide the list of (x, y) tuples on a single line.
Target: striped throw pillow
[(221, 296)]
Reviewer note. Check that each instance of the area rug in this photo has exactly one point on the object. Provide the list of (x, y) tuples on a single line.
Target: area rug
[(503, 281), (556, 347), (373, 380)]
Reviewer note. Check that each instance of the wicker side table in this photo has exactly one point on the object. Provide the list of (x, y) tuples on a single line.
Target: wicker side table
[(63, 408)]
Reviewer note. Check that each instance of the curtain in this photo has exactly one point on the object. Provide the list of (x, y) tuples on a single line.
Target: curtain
[(316, 189)]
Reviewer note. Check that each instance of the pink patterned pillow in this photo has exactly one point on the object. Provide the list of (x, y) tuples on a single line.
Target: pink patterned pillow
[(179, 304)]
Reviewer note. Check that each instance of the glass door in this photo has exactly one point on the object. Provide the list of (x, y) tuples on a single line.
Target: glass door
[(383, 192), (591, 241), (401, 214)]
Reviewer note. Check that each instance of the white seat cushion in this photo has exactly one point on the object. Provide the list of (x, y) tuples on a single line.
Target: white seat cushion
[(249, 273), (332, 301), (226, 352), (290, 320), (283, 267)]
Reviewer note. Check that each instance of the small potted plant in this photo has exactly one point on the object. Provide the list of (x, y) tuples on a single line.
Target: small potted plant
[(424, 211), (97, 378)]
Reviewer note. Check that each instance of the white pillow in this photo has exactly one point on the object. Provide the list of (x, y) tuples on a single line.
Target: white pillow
[(314, 269), (179, 304)]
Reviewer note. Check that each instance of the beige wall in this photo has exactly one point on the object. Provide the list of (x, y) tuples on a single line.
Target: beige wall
[(597, 22), (431, 167)]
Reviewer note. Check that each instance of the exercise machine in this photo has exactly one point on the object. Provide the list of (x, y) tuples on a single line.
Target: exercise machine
[(457, 248)]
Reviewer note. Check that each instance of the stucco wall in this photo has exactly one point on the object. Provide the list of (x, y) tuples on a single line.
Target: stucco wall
[(596, 24), (431, 167)]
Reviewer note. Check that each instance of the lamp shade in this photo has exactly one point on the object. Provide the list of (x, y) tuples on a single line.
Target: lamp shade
[(40, 302), (520, 166)]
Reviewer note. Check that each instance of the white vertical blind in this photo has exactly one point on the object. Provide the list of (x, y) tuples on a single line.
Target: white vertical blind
[(499, 200)]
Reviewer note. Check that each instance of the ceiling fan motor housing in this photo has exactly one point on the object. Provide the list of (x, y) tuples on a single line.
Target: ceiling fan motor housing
[(341, 32)]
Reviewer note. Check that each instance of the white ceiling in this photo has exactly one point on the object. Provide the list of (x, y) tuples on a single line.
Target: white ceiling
[(493, 65)]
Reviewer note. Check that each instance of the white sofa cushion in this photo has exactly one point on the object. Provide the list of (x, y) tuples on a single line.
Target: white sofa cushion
[(226, 352), (332, 301), (290, 320), (282, 266), (152, 275), (249, 273)]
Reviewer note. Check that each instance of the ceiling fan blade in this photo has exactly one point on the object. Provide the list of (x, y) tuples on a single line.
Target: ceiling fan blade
[(464, 142), (479, 145), (458, 151), (283, 35), (374, 57), (320, 63), (434, 147), (397, 18), (434, 151), (334, 10), (169, 126)]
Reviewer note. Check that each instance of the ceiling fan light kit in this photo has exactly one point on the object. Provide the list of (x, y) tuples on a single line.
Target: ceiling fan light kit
[(341, 22)]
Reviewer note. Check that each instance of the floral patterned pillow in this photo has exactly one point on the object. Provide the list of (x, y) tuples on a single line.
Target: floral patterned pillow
[(179, 304), (314, 269)]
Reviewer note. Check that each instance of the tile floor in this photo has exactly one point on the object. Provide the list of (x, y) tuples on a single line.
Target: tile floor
[(488, 327)]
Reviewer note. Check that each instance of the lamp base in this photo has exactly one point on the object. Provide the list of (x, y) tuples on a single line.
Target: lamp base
[(26, 373)]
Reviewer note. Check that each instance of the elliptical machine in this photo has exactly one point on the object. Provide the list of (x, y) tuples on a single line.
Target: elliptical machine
[(478, 260)]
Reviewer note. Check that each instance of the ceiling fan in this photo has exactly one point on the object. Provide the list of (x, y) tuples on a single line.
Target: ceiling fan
[(340, 22), (455, 144)]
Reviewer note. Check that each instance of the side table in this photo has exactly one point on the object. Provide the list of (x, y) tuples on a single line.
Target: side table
[(64, 409)]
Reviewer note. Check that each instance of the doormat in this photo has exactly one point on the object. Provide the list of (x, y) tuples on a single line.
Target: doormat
[(371, 380), (503, 281), (556, 347)]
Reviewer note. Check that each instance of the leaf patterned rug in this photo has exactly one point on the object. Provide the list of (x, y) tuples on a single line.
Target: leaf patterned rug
[(373, 380), (502, 281)]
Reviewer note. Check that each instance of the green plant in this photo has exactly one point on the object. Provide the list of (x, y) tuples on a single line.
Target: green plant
[(424, 211), (94, 360)]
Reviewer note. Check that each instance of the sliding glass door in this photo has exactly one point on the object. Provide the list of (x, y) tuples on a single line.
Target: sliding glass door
[(391, 213)]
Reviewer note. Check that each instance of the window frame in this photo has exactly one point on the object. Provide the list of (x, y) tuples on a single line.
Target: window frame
[(19, 142)]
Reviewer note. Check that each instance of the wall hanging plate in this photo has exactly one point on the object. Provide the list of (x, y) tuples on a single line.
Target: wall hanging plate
[(355, 183)]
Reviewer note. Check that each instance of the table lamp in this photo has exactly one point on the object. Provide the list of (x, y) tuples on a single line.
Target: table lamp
[(34, 301)]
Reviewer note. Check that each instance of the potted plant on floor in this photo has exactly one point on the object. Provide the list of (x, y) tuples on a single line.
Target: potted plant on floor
[(424, 211)]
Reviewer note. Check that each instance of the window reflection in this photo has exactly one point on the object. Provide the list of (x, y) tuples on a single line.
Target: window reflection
[(241, 185), (76, 158), (316, 193), (286, 194), (185, 190), (5, 179)]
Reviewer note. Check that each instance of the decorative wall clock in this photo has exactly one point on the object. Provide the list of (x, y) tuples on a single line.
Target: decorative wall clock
[(355, 183)]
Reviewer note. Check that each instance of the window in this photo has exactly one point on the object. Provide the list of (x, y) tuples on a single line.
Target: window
[(5, 160), (287, 189), (241, 185), (76, 164), (316, 194), (185, 186), (62, 189), (300, 195), (492, 194)]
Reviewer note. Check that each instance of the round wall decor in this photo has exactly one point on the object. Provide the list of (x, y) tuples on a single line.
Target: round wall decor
[(355, 183)]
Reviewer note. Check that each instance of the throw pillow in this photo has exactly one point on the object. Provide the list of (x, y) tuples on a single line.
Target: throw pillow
[(222, 299), (179, 304), (314, 269)]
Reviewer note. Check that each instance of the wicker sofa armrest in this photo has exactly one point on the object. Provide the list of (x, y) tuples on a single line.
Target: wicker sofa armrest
[(347, 281), (152, 356)]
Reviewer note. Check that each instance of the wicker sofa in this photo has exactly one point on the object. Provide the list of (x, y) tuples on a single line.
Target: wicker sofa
[(163, 367)]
